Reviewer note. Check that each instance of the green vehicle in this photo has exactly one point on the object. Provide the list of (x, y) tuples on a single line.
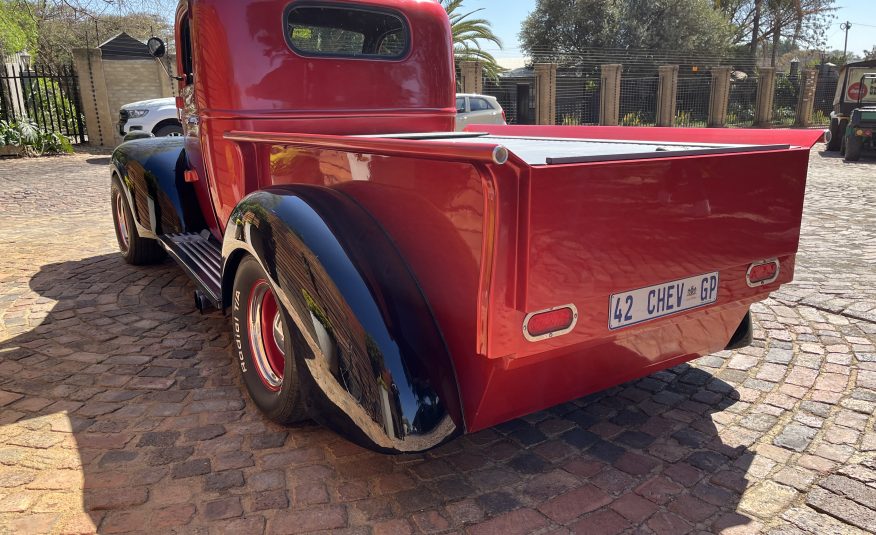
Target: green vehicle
[(853, 119)]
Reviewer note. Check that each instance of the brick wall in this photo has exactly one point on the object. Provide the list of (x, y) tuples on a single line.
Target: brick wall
[(106, 85), (133, 80)]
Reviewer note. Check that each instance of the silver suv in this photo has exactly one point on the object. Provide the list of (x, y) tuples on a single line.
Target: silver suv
[(477, 109)]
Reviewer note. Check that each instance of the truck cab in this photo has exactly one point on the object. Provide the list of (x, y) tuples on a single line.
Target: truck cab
[(347, 68), (403, 283)]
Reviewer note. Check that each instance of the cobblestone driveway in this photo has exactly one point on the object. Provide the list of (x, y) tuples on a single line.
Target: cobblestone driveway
[(120, 411)]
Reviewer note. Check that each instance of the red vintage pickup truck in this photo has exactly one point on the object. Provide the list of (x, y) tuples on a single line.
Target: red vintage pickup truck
[(402, 283)]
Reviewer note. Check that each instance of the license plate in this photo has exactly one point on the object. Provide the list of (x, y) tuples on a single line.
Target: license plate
[(652, 302)]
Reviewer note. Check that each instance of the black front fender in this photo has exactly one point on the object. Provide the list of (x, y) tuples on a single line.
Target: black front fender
[(372, 356), (152, 174)]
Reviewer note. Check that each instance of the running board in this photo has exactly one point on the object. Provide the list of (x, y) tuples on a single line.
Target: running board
[(200, 257)]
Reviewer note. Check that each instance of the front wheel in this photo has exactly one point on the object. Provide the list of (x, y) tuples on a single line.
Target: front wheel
[(854, 145), (263, 348), (135, 250)]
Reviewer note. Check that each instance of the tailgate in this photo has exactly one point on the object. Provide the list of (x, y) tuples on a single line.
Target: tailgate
[(611, 238)]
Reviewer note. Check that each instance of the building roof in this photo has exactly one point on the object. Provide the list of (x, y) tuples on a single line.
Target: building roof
[(123, 46)]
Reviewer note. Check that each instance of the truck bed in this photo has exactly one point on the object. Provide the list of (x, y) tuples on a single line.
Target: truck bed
[(536, 150), (497, 228)]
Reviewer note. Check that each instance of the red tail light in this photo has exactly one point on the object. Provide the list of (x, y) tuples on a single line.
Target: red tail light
[(180, 103), (549, 323), (503, 116), (760, 273)]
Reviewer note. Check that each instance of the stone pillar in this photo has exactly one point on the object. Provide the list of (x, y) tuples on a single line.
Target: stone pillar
[(100, 125), (719, 97), (472, 74), (15, 99), (546, 93), (168, 85), (667, 90), (766, 91), (609, 94), (806, 102)]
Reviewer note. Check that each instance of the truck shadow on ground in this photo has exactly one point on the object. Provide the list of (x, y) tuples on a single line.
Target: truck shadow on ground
[(125, 399)]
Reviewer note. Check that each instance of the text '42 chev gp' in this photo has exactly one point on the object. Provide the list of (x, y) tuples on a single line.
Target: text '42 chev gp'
[(403, 283)]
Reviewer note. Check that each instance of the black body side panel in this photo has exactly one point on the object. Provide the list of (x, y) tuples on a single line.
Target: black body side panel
[(152, 173), (372, 356)]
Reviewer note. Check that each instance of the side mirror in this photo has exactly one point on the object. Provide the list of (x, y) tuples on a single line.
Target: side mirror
[(156, 47)]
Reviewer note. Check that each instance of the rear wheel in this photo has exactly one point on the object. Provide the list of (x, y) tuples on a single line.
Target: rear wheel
[(854, 145), (263, 336), (836, 135), (135, 250)]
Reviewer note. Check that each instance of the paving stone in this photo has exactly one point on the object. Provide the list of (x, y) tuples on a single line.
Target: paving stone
[(766, 499), (204, 433), (841, 508), (634, 508), (574, 503), (158, 439), (602, 522), (220, 481), (117, 498), (270, 499), (194, 467), (517, 522), (222, 509), (851, 489), (318, 519), (810, 521), (795, 437)]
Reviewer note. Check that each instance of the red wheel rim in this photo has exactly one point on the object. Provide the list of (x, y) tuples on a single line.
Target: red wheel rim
[(121, 222), (266, 335)]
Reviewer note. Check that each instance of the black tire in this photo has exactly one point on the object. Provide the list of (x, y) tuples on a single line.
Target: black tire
[(282, 403), (854, 145), (843, 145), (836, 135), (168, 130), (135, 250)]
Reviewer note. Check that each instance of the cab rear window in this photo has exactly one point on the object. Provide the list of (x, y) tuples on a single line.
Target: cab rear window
[(339, 30)]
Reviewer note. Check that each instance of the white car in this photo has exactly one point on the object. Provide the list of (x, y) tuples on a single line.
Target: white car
[(477, 109), (157, 116)]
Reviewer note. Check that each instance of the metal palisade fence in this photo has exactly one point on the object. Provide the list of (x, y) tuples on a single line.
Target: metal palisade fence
[(45, 95), (701, 87)]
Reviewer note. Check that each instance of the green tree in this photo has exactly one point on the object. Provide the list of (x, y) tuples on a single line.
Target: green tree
[(765, 25), (558, 27), (17, 30), (468, 34), (53, 28)]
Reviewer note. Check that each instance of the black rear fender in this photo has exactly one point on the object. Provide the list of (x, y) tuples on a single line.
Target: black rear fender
[(151, 171), (370, 353)]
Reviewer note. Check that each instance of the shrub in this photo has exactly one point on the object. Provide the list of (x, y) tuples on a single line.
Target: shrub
[(46, 98), (34, 140), (634, 118), (819, 117)]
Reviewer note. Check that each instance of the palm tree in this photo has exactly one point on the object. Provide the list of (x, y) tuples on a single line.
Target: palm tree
[(467, 36)]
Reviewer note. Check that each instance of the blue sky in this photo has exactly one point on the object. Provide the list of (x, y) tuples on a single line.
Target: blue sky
[(507, 15)]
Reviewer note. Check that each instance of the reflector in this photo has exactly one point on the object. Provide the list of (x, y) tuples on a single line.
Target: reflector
[(556, 321), (761, 273)]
